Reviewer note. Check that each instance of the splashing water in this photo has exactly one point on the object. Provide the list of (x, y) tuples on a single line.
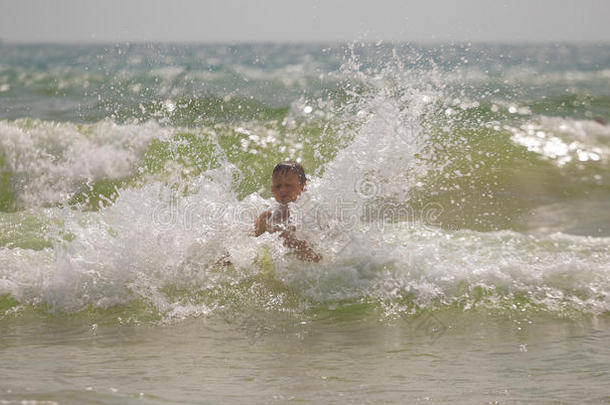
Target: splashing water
[(412, 202)]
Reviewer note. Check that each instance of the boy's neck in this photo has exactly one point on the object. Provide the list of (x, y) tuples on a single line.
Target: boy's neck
[(284, 209)]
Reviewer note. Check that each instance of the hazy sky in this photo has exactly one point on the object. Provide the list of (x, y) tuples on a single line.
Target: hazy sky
[(315, 20)]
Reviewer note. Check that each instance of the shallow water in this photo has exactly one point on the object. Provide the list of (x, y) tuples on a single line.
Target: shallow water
[(328, 357)]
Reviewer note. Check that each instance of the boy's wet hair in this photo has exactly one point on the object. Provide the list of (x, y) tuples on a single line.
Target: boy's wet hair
[(286, 167)]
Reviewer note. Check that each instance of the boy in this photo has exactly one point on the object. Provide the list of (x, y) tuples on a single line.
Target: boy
[(288, 181)]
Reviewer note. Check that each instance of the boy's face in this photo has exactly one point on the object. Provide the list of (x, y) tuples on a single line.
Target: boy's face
[(286, 187)]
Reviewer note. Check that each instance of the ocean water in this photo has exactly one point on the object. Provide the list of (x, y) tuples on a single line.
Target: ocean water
[(459, 195)]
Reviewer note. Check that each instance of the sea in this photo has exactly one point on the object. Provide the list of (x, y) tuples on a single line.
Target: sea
[(459, 195)]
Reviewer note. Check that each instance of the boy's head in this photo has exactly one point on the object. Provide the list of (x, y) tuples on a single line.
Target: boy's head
[(288, 181)]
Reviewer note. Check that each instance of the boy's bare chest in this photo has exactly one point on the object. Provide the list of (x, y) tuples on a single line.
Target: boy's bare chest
[(279, 221)]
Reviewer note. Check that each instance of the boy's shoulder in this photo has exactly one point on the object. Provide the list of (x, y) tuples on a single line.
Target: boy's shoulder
[(265, 214)]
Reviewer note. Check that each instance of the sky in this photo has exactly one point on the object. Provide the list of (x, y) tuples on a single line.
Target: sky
[(304, 21)]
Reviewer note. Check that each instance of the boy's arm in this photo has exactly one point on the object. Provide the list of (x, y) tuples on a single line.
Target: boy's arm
[(303, 250), (260, 226)]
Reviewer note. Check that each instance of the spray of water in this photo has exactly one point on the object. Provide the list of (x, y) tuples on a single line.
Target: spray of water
[(166, 241)]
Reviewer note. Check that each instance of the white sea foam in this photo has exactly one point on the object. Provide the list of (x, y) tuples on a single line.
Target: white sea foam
[(121, 254), (565, 140), (49, 161), (169, 235)]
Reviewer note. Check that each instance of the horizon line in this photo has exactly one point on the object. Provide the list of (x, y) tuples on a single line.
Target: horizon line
[(306, 42)]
